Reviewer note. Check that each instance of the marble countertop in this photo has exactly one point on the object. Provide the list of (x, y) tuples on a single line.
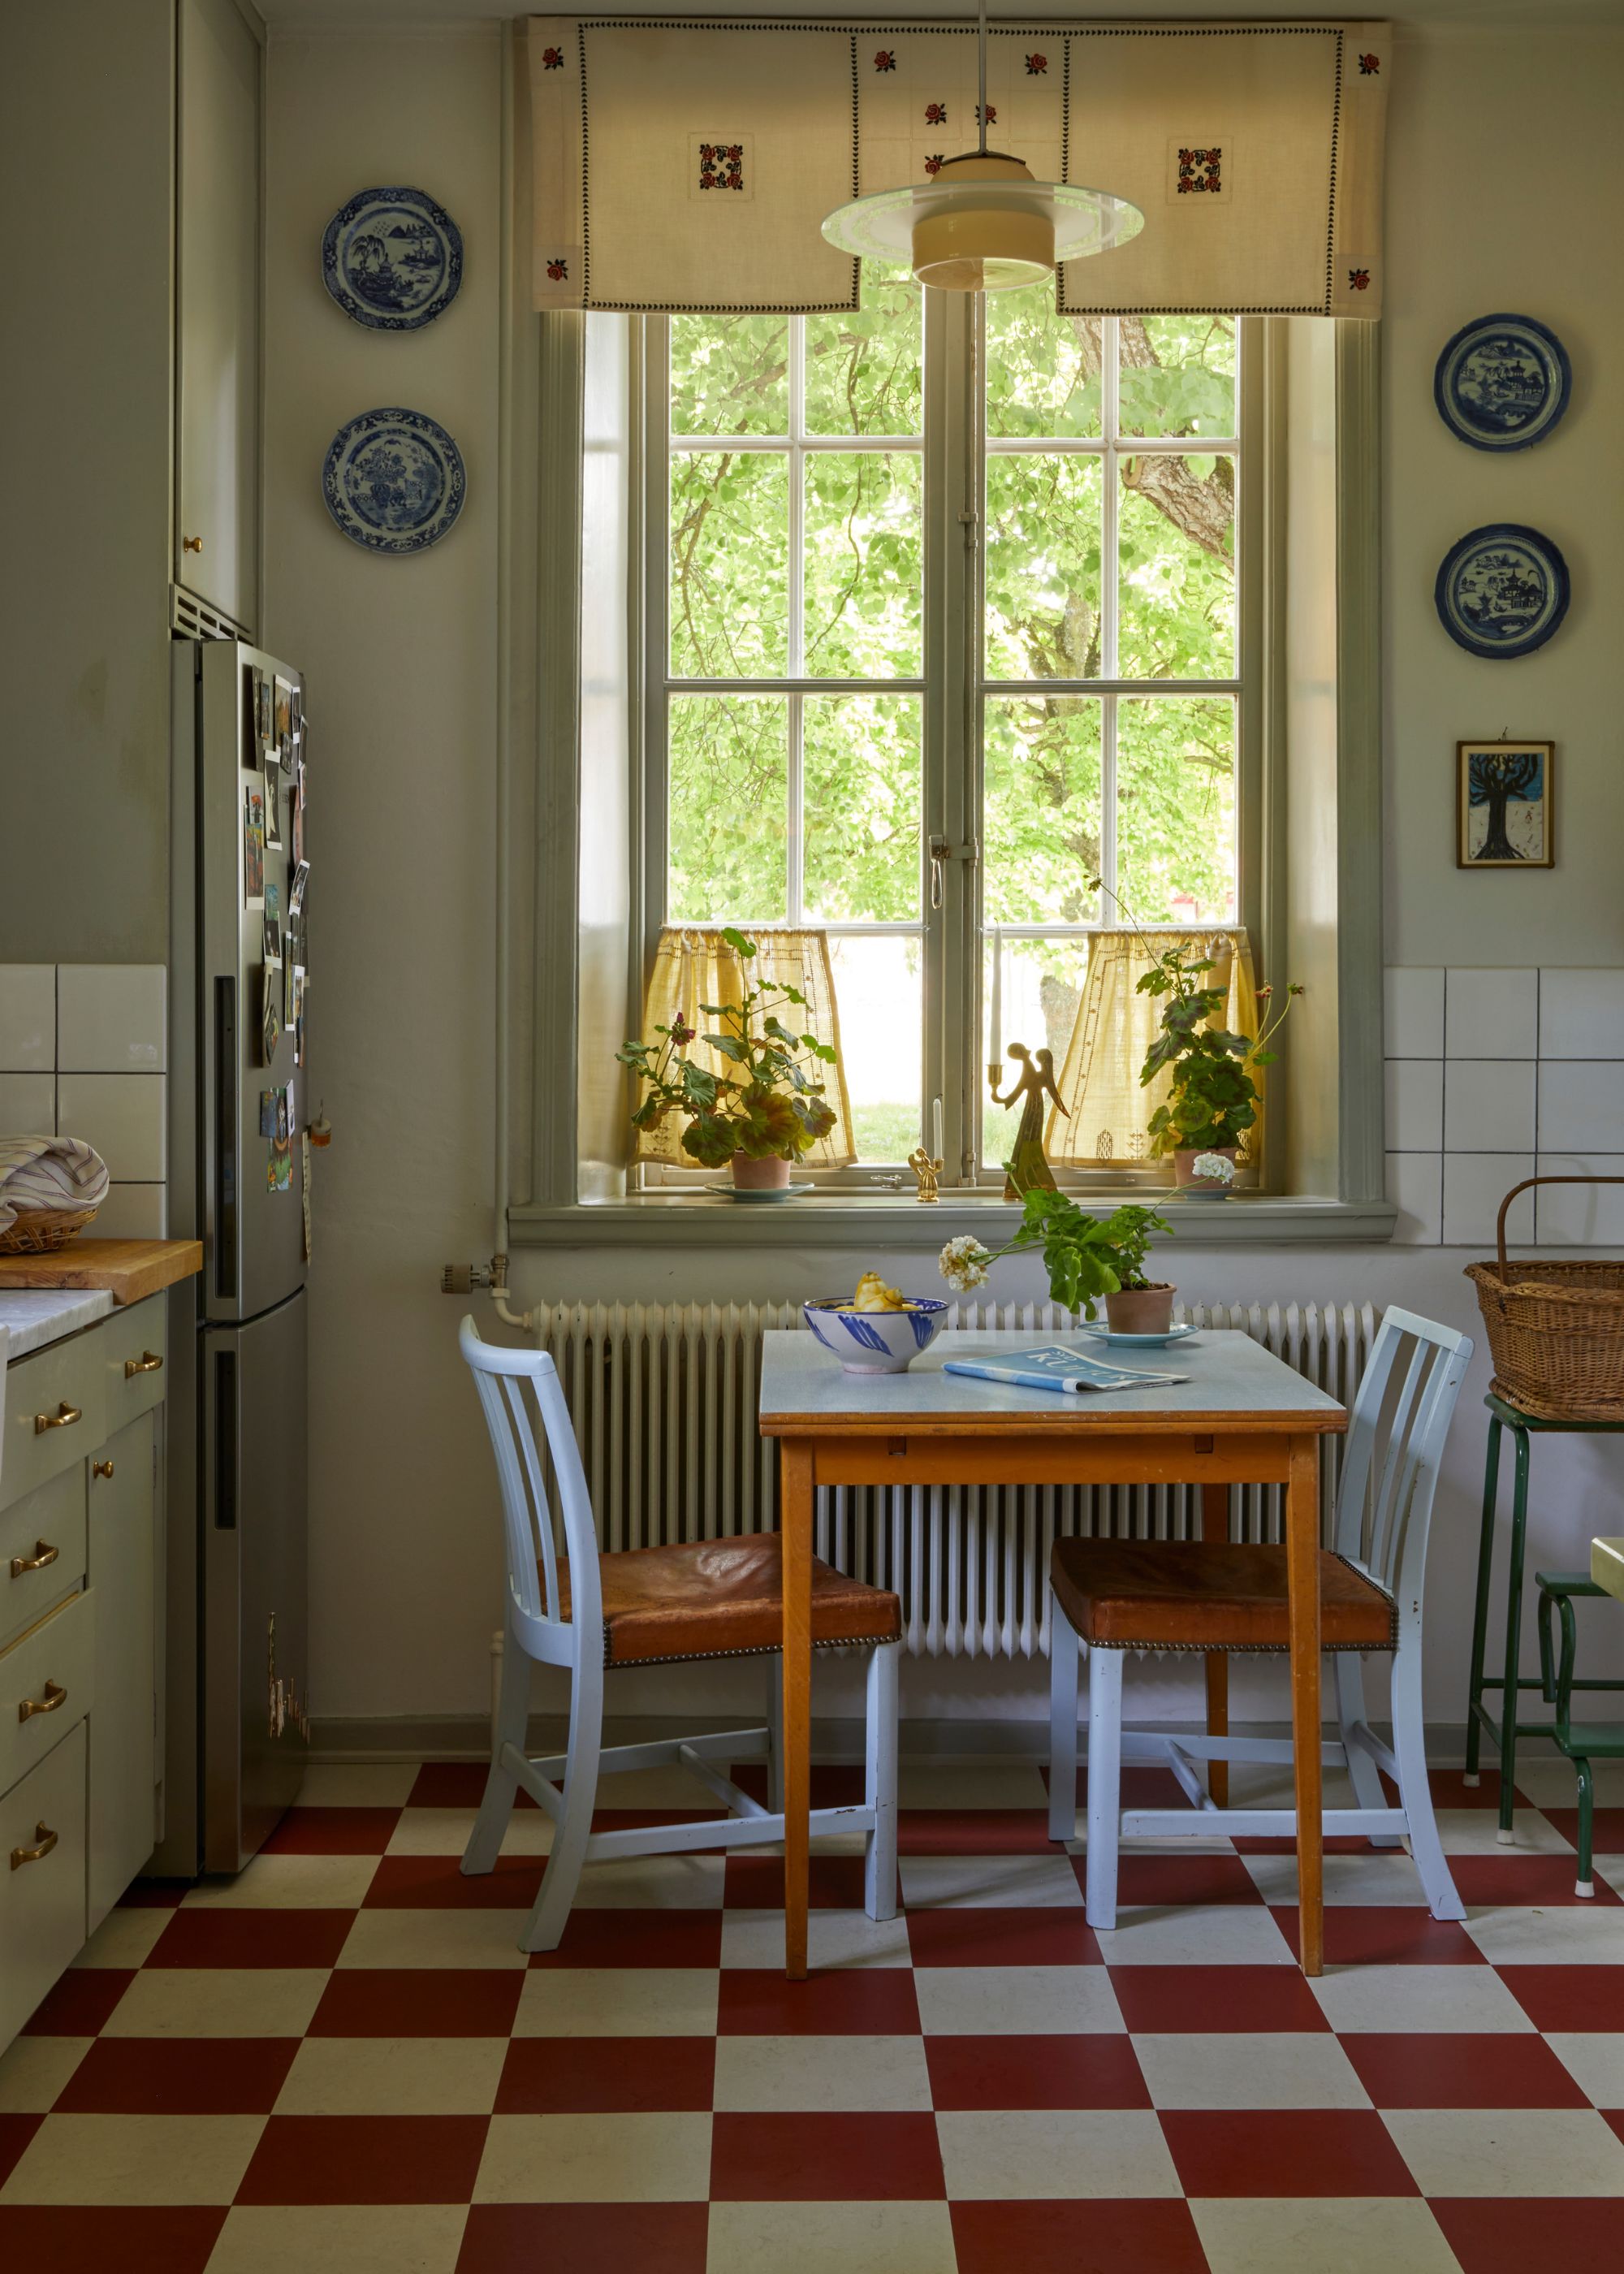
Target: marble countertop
[(34, 1320)]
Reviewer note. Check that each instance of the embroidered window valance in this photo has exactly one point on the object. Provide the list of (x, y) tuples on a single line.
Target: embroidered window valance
[(689, 165)]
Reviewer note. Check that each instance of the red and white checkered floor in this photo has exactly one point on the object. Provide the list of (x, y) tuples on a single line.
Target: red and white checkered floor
[(340, 2060)]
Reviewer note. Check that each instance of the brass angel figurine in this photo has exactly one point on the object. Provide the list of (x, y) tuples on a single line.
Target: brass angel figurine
[(1027, 1165)]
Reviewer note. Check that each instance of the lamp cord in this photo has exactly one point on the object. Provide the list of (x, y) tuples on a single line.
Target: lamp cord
[(981, 62)]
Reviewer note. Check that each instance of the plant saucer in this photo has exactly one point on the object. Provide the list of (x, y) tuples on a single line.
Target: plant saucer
[(1181, 1334), (766, 1192)]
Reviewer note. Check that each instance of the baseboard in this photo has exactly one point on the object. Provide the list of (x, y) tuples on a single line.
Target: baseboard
[(467, 1737)]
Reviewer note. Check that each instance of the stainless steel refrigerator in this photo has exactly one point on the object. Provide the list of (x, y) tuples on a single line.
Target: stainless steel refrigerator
[(236, 1732)]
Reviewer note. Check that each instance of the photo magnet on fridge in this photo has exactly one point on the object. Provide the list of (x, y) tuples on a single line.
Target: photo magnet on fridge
[(253, 751), (295, 819), (272, 930), (285, 720), (273, 806), (270, 1016), (268, 1111), (296, 889), (253, 845), (267, 731)]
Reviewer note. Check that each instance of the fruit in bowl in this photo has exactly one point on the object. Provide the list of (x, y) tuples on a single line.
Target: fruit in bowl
[(876, 1331)]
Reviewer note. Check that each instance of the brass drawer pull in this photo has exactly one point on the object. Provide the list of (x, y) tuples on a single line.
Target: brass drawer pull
[(44, 1840), (148, 1362), (101, 1468), (63, 1417), (54, 1695), (43, 1554)]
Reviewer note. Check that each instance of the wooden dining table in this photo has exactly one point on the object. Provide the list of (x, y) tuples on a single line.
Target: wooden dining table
[(1240, 1416)]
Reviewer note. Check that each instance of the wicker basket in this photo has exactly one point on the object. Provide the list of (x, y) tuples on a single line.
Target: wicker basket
[(41, 1232), (1556, 1331)]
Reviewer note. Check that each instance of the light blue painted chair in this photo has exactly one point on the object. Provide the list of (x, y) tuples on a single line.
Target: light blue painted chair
[(588, 1612), (1109, 1597)]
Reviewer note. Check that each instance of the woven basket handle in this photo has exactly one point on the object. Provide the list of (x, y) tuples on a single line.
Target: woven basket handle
[(1528, 1185)]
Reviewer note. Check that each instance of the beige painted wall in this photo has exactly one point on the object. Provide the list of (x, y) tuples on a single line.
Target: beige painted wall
[(399, 656), (401, 665)]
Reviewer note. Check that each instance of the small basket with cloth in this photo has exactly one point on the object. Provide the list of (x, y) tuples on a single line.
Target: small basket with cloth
[(1556, 1331), (50, 1187)]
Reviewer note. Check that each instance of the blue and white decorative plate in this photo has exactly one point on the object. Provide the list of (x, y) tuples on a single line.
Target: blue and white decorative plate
[(1502, 382), (1502, 589), (394, 480), (392, 259)]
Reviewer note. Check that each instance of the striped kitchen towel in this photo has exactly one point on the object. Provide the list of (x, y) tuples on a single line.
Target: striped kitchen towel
[(49, 1173)]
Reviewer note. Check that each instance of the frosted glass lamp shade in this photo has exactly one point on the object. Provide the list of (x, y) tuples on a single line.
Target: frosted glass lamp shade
[(982, 224)]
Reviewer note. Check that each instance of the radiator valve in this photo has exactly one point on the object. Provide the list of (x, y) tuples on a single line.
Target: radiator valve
[(463, 1278)]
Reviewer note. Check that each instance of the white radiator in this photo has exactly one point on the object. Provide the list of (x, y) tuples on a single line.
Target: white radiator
[(664, 1399)]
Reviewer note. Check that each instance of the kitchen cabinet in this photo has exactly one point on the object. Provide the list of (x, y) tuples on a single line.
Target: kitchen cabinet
[(217, 310), (81, 1578)]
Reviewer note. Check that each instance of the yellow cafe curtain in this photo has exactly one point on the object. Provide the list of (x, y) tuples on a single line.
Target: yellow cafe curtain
[(1116, 1026), (695, 965)]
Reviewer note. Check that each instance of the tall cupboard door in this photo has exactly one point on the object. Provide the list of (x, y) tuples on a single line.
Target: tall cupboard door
[(217, 310), (121, 1559)]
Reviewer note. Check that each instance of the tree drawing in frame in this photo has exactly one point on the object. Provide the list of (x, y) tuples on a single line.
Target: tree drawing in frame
[(1504, 794)]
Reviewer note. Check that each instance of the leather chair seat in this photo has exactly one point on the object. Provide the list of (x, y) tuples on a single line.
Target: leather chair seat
[(714, 1598), (1179, 1594)]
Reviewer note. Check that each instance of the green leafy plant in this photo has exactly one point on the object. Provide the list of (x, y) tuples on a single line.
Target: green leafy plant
[(1214, 1099), (1085, 1257), (769, 1106)]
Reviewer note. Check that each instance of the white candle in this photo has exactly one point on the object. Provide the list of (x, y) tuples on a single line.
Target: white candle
[(936, 1153), (995, 1028)]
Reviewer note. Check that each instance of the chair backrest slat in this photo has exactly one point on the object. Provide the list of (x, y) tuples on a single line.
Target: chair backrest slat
[(1395, 1449), (502, 1377)]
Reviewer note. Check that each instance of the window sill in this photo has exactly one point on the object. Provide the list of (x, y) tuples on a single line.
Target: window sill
[(850, 1220)]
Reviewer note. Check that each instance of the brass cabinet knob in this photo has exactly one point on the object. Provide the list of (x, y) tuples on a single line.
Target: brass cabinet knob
[(43, 1554), (101, 1468), (63, 1417), (44, 1840), (192, 544), (148, 1362), (54, 1695)]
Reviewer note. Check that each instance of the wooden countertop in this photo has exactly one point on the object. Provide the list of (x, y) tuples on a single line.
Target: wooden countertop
[(128, 1269)]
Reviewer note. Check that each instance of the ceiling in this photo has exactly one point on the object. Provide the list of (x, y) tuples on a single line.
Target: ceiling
[(1546, 14)]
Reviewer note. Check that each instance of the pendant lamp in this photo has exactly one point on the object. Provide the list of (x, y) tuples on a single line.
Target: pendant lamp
[(982, 224)]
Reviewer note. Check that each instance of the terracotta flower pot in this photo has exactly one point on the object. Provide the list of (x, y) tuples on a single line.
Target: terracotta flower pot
[(1141, 1310), (769, 1175), (1184, 1167)]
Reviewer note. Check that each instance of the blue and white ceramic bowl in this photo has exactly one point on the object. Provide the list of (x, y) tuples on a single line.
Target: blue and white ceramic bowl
[(875, 1341)]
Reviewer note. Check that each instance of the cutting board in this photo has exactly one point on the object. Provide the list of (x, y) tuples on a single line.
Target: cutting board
[(130, 1269)]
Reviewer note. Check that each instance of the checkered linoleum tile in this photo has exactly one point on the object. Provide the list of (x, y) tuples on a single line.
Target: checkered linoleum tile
[(341, 2061)]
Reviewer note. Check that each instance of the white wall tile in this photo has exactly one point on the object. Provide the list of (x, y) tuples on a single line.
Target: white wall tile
[(1490, 1014), (1581, 1215), (123, 1116), (1415, 1187), (1415, 1012), (28, 1105), (1582, 1015), (134, 1212), (1415, 1099), (110, 1018), (1475, 1184), (27, 1017), (1488, 1104), (1582, 1106)]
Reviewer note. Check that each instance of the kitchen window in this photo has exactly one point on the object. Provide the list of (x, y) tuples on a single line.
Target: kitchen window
[(943, 623)]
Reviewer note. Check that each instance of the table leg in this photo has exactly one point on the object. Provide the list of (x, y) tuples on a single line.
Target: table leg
[(1215, 1526), (795, 1527), (1480, 1609), (1511, 1696), (1302, 1581)]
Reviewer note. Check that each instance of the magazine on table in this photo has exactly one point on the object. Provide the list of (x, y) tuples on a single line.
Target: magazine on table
[(1054, 1368)]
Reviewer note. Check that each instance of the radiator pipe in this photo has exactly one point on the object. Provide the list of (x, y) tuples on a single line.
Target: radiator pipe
[(525, 1321)]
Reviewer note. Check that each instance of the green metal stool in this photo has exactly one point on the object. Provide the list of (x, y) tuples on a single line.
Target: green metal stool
[(1582, 1741), (1505, 1733)]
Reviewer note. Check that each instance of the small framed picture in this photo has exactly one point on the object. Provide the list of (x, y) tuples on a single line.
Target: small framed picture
[(253, 844), (273, 806), (1504, 808)]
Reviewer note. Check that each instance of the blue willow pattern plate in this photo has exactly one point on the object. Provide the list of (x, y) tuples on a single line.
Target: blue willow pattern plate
[(392, 259), (1502, 589), (1502, 382), (394, 480)]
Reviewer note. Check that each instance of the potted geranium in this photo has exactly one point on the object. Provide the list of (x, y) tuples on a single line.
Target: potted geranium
[(1214, 1098), (766, 1111), (1088, 1258)]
